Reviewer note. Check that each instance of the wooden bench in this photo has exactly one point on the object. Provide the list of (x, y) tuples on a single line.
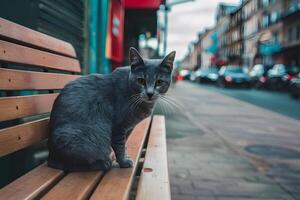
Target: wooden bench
[(47, 64)]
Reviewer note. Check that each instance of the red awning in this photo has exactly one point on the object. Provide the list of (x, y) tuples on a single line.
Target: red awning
[(142, 4)]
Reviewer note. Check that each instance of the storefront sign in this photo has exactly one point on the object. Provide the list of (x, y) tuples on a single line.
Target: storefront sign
[(142, 4), (115, 32)]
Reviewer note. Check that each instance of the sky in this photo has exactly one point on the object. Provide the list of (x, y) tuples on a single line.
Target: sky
[(187, 20)]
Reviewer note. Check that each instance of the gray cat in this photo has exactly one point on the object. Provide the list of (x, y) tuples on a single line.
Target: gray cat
[(97, 112)]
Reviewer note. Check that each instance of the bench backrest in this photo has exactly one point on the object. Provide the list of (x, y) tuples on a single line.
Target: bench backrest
[(46, 64), (33, 61)]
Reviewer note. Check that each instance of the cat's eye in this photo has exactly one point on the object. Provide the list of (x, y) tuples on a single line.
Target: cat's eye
[(141, 81), (158, 82)]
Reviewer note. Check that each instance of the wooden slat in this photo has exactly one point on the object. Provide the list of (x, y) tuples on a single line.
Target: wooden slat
[(80, 185), (33, 38), (22, 106), (25, 80), (32, 184), (75, 186), (154, 180), (18, 54), (116, 184), (24, 135)]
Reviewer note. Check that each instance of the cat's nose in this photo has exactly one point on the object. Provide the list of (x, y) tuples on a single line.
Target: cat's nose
[(150, 95)]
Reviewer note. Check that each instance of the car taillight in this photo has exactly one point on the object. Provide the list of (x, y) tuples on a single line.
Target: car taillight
[(228, 78), (179, 78), (290, 77), (263, 79)]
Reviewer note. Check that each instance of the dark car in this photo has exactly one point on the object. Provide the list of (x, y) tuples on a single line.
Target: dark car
[(233, 76), (258, 75), (185, 74), (194, 76), (207, 75), (295, 87), (280, 75)]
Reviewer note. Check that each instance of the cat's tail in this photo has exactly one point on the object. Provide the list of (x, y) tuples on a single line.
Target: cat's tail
[(77, 146)]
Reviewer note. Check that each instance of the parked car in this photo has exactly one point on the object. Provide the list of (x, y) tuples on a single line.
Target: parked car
[(207, 75), (193, 76), (258, 75), (295, 87), (280, 75), (185, 74), (175, 76), (233, 76)]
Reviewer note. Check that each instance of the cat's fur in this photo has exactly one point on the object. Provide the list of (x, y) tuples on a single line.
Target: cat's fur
[(97, 112)]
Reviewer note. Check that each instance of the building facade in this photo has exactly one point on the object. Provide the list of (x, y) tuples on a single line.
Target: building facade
[(206, 43), (224, 31), (252, 16), (234, 48), (291, 32), (255, 32), (271, 32)]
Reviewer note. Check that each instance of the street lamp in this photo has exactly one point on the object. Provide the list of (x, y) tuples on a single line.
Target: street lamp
[(167, 8)]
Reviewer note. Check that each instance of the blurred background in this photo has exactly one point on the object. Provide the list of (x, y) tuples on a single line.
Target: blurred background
[(233, 112)]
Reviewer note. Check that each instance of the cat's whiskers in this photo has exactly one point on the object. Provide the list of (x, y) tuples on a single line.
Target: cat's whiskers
[(138, 103), (163, 108), (169, 105), (133, 103), (174, 102)]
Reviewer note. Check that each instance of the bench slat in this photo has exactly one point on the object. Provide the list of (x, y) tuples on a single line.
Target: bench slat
[(22, 106), (18, 54), (32, 184), (117, 182), (80, 185), (75, 186), (154, 180), (18, 137), (25, 80), (33, 38)]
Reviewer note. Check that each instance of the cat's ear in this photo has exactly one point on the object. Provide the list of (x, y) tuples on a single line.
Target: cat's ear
[(135, 58), (169, 60)]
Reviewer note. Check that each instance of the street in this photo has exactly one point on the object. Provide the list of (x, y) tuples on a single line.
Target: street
[(223, 148), (276, 101)]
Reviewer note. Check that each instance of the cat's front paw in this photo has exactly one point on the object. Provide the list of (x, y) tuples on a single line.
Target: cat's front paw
[(125, 163)]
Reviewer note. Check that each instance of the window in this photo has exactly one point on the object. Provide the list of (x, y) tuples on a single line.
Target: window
[(290, 34), (265, 3), (298, 32), (293, 6), (274, 17), (243, 30), (265, 21), (276, 37)]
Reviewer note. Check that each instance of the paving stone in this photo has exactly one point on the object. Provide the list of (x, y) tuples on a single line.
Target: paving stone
[(183, 197), (206, 198), (254, 198), (194, 191), (175, 189), (208, 160)]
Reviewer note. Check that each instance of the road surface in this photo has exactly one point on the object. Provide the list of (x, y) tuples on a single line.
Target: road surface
[(279, 102), (222, 148)]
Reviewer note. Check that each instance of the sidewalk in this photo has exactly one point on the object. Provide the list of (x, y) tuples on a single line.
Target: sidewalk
[(206, 149)]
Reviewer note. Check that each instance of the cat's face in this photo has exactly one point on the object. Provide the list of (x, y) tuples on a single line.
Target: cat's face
[(150, 78)]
